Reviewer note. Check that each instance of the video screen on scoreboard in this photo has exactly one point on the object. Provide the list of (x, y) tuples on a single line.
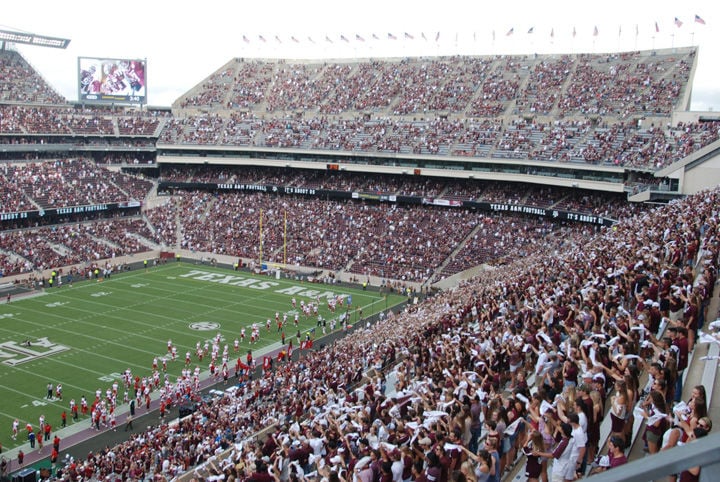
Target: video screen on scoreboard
[(111, 80)]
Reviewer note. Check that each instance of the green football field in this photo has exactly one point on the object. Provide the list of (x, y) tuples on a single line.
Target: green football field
[(84, 336)]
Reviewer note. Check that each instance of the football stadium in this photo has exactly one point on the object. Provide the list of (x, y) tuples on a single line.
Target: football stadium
[(422, 268)]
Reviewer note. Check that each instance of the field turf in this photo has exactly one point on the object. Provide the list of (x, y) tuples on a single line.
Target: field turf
[(83, 336)]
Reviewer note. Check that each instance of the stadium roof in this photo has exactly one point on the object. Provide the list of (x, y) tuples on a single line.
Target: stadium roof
[(33, 39)]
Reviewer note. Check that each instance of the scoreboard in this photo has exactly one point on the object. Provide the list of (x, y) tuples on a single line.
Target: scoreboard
[(112, 80)]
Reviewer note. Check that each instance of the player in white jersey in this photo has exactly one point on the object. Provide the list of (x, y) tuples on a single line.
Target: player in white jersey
[(15, 428)]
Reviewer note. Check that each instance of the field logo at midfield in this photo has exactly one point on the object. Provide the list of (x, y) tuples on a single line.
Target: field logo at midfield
[(257, 284), (231, 280), (12, 353), (204, 326)]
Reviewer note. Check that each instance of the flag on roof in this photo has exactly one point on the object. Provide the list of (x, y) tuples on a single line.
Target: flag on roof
[(375, 37), (657, 28), (595, 31), (245, 39), (311, 40), (278, 39), (620, 31), (678, 22), (699, 20), (295, 40), (262, 39), (552, 32), (422, 34), (531, 30), (437, 36), (327, 39), (510, 32), (359, 38), (344, 38), (409, 37), (391, 37), (574, 32)]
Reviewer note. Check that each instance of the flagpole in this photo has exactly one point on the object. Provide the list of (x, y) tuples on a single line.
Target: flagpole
[(637, 32), (692, 38)]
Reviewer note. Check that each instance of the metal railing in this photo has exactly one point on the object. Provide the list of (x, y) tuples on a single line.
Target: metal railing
[(704, 452)]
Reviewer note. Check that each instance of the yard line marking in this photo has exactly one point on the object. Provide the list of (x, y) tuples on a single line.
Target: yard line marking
[(47, 402), (76, 349)]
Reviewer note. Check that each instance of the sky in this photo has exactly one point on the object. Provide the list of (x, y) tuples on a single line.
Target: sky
[(186, 41)]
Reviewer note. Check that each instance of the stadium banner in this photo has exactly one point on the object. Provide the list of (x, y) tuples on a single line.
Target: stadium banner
[(384, 197), (544, 212), (106, 80), (48, 213), (442, 202)]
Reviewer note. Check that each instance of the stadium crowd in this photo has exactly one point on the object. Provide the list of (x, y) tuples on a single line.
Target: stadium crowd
[(386, 240), (409, 102), (68, 120), (25, 251), (21, 83), (442, 390), (617, 144), (66, 182), (456, 387), (620, 85)]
